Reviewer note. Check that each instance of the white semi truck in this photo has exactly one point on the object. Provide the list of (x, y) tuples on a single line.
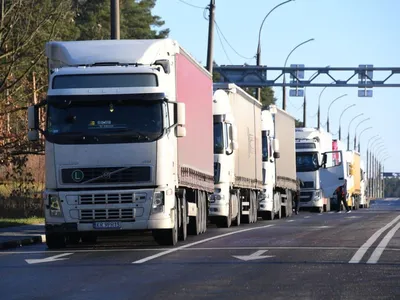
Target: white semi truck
[(319, 168), (278, 163), (237, 156), (128, 140)]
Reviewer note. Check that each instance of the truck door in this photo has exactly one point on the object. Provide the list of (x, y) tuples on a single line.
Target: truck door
[(332, 172)]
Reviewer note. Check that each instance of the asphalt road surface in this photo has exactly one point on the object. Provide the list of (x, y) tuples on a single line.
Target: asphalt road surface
[(308, 256)]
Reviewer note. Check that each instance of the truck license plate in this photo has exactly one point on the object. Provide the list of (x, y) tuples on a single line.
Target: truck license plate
[(107, 225)]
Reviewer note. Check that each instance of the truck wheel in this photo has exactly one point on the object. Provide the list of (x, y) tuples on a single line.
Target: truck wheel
[(239, 213), (183, 213), (167, 237), (204, 197), (56, 241), (195, 222), (254, 207)]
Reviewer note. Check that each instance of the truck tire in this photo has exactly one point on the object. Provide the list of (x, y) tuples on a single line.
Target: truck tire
[(183, 214), (167, 237), (56, 241), (254, 206), (237, 220), (194, 227), (204, 198)]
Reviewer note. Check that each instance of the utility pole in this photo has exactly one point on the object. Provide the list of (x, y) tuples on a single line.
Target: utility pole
[(115, 34), (211, 20)]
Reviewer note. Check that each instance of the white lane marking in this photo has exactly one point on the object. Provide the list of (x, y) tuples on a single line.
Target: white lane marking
[(364, 248), (140, 261), (290, 221), (253, 256), (306, 217), (382, 245), (48, 259), (320, 214)]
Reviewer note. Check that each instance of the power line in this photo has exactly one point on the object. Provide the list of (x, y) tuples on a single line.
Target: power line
[(192, 5), (219, 29), (222, 44)]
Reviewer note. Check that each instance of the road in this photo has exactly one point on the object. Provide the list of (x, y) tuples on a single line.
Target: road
[(308, 256)]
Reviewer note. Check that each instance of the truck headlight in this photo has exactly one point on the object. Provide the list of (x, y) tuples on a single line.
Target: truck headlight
[(55, 206), (215, 197), (317, 195), (158, 202)]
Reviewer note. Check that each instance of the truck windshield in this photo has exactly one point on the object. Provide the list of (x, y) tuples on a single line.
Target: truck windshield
[(264, 142), (218, 138), (306, 161), (105, 120)]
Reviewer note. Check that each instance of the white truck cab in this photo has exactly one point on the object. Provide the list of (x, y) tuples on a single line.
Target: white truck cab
[(319, 168)]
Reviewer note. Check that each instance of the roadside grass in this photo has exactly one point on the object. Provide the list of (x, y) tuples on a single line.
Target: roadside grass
[(9, 222)]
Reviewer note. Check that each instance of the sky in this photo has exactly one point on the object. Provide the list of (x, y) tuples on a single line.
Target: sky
[(346, 33)]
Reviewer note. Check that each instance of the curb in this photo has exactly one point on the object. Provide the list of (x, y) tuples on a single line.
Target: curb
[(23, 242)]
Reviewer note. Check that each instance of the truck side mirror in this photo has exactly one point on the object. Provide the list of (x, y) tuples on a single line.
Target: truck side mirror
[(180, 112), (275, 145), (33, 124), (323, 163)]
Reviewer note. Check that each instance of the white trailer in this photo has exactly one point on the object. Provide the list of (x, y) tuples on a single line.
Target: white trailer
[(237, 156), (278, 162)]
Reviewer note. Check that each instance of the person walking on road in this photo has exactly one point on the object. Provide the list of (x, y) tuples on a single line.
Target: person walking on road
[(341, 193), (296, 197)]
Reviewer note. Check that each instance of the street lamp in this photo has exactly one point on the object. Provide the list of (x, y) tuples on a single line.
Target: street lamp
[(305, 101), (348, 130), (340, 120), (329, 107), (284, 74), (258, 56), (319, 106), (359, 138), (355, 132)]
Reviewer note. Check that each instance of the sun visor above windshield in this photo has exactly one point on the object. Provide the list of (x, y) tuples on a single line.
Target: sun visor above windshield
[(66, 99)]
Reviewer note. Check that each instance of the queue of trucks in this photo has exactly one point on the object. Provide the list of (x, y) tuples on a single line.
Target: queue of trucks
[(139, 138)]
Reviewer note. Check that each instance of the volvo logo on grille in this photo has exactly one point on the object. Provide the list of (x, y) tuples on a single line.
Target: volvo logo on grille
[(77, 175)]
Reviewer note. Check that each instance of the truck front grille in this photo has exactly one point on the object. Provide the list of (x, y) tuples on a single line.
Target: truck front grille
[(123, 214), (112, 198), (105, 175), (305, 196)]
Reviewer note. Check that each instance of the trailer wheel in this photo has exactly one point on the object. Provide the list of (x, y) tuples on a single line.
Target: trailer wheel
[(254, 207), (167, 237), (183, 214), (56, 241)]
